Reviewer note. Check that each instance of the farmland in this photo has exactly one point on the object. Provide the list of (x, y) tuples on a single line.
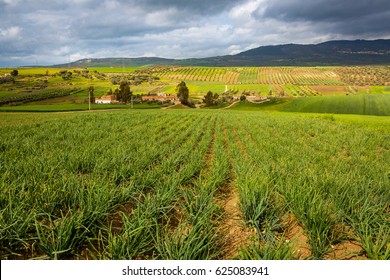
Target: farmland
[(286, 176), (363, 104), (293, 81), (194, 184), (69, 87)]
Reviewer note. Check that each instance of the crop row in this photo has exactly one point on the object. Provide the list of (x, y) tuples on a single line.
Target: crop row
[(254, 75), (324, 185), (365, 75), (156, 185), (37, 96)]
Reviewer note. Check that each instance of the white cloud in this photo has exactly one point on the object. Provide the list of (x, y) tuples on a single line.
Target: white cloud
[(245, 10), (161, 18), (10, 33)]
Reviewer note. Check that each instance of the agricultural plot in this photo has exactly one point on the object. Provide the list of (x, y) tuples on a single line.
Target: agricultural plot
[(48, 87), (365, 75), (254, 75), (195, 184), (366, 104), (326, 80)]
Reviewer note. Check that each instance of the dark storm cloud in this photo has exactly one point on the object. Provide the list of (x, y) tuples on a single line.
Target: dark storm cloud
[(348, 17), (317, 10), (198, 7)]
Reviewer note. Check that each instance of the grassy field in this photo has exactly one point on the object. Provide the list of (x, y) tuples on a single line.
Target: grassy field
[(358, 104), (364, 104), (194, 184), (114, 69)]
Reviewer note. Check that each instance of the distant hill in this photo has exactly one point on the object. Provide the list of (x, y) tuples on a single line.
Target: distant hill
[(358, 52), (119, 62)]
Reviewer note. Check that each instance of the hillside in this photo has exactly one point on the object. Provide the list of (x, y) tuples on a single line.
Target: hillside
[(362, 104), (358, 52)]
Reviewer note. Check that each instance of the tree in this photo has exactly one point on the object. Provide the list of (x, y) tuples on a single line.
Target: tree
[(14, 73), (182, 93), (123, 94), (209, 99), (91, 94), (65, 74)]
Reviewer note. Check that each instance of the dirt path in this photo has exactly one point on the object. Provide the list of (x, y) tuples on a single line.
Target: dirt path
[(231, 105), (260, 102)]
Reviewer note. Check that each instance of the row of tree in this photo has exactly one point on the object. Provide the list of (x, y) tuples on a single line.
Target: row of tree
[(124, 94)]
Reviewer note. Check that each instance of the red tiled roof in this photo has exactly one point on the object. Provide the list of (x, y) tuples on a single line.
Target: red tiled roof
[(107, 97)]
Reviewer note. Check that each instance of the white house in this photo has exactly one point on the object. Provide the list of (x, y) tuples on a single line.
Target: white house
[(106, 99)]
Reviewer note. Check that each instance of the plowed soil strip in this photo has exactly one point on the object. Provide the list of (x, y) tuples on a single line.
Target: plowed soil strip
[(233, 224), (296, 235)]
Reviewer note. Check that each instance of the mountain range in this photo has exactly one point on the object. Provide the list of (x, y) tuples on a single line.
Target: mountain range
[(332, 53)]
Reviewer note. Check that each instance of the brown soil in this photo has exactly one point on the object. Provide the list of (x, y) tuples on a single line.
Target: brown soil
[(329, 88), (236, 233), (175, 217), (116, 220), (347, 249), (296, 235)]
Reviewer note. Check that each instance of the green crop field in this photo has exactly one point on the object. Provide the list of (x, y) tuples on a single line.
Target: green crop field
[(298, 171), (365, 104), (194, 184)]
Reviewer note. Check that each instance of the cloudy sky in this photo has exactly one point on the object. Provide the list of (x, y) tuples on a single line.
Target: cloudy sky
[(44, 32)]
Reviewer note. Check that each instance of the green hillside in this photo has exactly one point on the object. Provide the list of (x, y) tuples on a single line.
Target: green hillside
[(365, 104), (378, 104)]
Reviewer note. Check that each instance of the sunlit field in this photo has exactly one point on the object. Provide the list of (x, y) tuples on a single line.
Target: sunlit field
[(193, 184)]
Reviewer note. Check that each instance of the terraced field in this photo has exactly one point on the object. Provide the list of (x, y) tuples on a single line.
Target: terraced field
[(192, 184)]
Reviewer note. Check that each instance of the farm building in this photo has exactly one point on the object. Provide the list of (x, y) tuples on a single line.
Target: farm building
[(159, 97), (106, 99)]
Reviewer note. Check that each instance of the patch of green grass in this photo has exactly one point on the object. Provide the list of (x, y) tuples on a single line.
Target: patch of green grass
[(218, 106), (378, 104), (179, 107), (262, 89), (366, 104), (19, 119), (273, 104), (114, 69), (379, 89)]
